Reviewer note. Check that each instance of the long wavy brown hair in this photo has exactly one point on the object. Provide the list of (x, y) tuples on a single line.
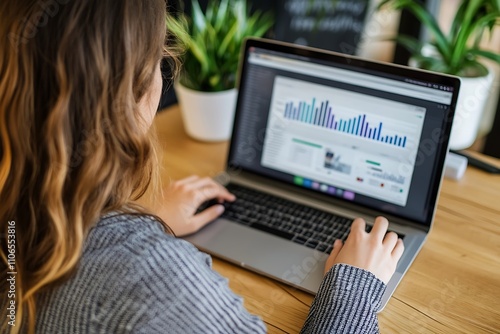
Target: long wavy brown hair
[(72, 139)]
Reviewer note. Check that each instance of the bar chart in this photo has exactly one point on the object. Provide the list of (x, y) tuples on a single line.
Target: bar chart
[(319, 113)]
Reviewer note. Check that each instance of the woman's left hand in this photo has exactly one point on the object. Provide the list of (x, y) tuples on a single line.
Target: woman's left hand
[(183, 197)]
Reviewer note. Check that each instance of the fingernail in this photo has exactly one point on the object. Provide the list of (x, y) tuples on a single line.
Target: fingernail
[(220, 208)]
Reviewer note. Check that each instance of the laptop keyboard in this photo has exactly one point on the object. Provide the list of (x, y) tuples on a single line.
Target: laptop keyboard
[(286, 219)]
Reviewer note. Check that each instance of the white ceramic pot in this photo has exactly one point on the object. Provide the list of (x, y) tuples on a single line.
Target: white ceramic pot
[(207, 116), (474, 93), (472, 98)]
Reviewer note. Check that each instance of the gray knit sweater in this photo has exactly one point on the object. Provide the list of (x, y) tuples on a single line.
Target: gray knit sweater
[(134, 278)]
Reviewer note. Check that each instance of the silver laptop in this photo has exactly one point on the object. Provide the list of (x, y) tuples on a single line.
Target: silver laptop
[(319, 139)]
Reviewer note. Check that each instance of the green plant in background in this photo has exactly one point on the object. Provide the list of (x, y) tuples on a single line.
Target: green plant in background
[(212, 42), (457, 52)]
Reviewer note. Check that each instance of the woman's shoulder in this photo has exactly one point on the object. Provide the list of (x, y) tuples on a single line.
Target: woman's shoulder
[(136, 238), (130, 267)]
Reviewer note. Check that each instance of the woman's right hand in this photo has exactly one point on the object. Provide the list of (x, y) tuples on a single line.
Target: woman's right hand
[(377, 251)]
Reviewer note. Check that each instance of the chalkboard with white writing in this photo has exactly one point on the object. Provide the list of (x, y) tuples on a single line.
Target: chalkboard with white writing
[(335, 25)]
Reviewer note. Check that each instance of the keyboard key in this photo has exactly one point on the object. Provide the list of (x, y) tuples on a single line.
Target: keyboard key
[(322, 247), (312, 244), (286, 219), (300, 240)]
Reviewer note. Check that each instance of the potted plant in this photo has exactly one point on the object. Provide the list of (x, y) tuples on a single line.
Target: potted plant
[(458, 53), (206, 88)]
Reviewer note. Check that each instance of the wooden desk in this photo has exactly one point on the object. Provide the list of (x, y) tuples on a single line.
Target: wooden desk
[(452, 287)]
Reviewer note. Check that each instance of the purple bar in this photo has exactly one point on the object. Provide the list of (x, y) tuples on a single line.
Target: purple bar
[(359, 125), (365, 129), (332, 116), (286, 110), (335, 127), (362, 125)]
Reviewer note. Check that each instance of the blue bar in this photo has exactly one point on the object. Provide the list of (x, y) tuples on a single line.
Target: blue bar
[(374, 134), (321, 114), (328, 117), (325, 118), (386, 139), (349, 127), (404, 141), (354, 125), (312, 107), (358, 125), (335, 127), (286, 109), (379, 130), (340, 125), (330, 124), (370, 133), (365, 129), (309, 116), (390, 140), (362, 126), (323, 122), (344, 126), (317, 116), (395, 139), (399, 141)]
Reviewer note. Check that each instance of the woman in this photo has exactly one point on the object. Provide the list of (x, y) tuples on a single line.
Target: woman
[(79, 86)]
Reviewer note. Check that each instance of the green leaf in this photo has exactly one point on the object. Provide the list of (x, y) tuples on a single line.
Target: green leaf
[(198, 17), (213, 41), (222, 13), (486, 54), (197, 48), (413, 45), (228, 39)]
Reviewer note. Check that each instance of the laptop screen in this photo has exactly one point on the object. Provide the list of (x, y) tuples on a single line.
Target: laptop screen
[(352, 130)]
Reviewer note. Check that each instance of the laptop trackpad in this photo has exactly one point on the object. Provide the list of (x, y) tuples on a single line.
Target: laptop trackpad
[(260, 251)]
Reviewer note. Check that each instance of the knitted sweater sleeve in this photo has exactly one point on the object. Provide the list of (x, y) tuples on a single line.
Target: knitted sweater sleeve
[(189, 297), (346, 302), (133, 278)]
